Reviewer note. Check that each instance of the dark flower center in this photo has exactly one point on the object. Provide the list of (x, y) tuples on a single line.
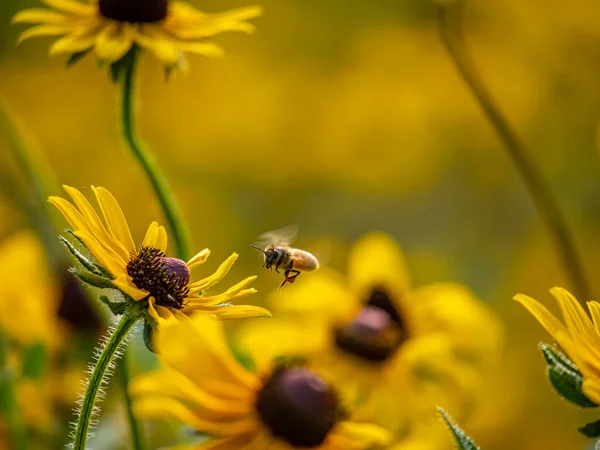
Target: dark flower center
[(298, 407), (376, 332), (134, 11), (165, 279)]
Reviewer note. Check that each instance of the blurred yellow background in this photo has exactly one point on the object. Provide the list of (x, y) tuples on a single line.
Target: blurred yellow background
[(344, 117)]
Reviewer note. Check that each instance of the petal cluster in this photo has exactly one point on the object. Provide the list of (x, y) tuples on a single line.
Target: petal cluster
[(81, 27), (579, 337), (110, 242), (396, 350), (202, 385)]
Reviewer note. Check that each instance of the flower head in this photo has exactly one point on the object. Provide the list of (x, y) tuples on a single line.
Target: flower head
[(145, 272), (111, 28), (202, 385), (401, 350), (580, 338)]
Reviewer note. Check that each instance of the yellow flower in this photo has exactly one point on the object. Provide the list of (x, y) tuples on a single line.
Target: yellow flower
[(112, 27), (29, 297), (401, 351), (579, 339), (202, 385), (145, 272)]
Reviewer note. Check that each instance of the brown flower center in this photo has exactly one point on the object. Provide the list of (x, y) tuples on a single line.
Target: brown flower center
[(376, 332), (165, 279), (298, 407), (134, 11)]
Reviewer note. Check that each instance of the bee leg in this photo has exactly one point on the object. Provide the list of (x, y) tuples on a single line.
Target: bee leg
[(277, 267), (291, 278)]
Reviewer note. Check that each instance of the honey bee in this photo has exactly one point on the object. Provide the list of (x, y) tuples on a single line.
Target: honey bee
[(278, 253)]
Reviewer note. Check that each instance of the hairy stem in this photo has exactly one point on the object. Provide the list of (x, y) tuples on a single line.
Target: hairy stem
[(147, 161), (104, 363), (541, 194), (135, 426)]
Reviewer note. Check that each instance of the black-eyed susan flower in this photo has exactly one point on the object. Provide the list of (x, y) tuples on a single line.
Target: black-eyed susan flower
[(144, 273), (579, 339), (396, 351), (282, 407), (166, 28)]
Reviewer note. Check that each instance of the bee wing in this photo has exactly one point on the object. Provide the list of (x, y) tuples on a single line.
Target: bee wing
[(281, 236)]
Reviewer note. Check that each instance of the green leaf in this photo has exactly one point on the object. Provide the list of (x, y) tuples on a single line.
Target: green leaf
[(117, 308), (591, 430), (463, 441), (85, 262), (103, 272), (92, 279), (75, 58), (34, 361), (565, 377)]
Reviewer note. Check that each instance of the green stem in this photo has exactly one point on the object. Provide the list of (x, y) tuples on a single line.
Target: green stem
[(541, 194), (148, 162), (135, 426), (8, 400), (105, 359)]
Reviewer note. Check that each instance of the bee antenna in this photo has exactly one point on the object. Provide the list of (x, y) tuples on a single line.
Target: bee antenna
[(257, 247)]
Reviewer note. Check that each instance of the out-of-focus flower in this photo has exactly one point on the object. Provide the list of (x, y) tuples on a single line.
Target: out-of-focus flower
[(202, 385), (112, 27), (580, 338), (145, 273), (399, 352), (31, 328), (28, 296)]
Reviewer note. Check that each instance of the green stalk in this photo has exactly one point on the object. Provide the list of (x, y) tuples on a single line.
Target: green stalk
[(135, 426), (541, 194), (39, 177), (8, 401), (105, 360), (147, 160)]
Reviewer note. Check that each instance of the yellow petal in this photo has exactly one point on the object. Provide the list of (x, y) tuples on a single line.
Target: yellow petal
[(575, 316), (220, 273), (550, 323), (123, 284), (106, 260), (230, 294), (87, 211), (150, 37), (115, 220), (164, 407), (207, 49), (359, 436), (240, 312), (161, 239), (594, 308), (198, 259), (376, 261), (44, 30), (70, 6), (173, 384), (72, 43), (591, 389), (114, 41), (151, 235), (320, 295), (39, 15), (198, 349), (69, 212), (247, 441)]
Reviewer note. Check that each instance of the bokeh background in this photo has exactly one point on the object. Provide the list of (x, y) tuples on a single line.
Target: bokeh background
[(343, 117)]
